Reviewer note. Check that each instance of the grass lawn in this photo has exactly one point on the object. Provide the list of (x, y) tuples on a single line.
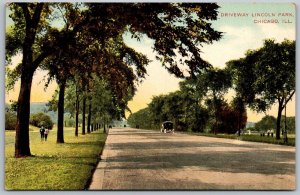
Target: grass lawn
[(67, 166), (253, 138)]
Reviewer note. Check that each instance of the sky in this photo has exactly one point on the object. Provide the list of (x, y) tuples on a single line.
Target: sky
[(245, 26)]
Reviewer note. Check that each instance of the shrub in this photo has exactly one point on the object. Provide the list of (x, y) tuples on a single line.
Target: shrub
[(41, 119), (10, 121)]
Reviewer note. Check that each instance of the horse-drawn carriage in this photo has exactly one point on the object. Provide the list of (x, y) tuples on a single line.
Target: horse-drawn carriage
[(167, 127)]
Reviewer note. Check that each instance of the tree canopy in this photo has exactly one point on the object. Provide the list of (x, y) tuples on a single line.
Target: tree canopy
[(266, 76), (178, 30)]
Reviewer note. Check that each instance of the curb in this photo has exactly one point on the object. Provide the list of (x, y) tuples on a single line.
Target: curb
[(98, 175)]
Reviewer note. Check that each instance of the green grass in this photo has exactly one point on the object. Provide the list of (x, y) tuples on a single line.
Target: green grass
[(253, 138), (271, 140), (67, 166)]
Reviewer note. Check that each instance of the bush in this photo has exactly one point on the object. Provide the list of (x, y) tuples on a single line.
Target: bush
[(41, 119), (10, 121)]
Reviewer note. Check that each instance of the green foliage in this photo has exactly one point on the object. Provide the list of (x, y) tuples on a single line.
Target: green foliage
[(41, 119), (12, 75), (214, 82), (266, 123), (266, 76), (271, 140), (12, 107), (172, 26), (269, 122), (209, 87), (175, 107), (197, 119), (104, 103), (290, 124), (90, 40), (69, 120), (99, 95), (54, 166), (184, 107), (52, 104), (10, 120), (251, 128), (225, 118), (15, 34), (142, 119), (239, 109), (253, 138)]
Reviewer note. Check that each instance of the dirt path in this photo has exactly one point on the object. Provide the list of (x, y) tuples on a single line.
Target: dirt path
[(148, 160)]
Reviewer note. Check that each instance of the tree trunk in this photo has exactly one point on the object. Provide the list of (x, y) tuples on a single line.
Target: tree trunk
[(285, 130), (280, 104), (22, 148), (83, 115), (215, 112), (89, 118), (60, 110), (239, 123), (77, 113)]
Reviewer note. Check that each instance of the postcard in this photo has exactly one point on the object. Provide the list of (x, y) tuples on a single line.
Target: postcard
[(150, 96)]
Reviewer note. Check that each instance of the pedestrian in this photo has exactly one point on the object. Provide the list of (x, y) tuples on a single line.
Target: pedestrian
[(42, 132), (46, 134)]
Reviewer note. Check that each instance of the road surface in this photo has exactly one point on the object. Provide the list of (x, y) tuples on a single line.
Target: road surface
[(135, 159)]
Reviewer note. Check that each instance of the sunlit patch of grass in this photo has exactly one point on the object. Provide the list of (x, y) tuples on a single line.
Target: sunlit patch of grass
[(53, 166)]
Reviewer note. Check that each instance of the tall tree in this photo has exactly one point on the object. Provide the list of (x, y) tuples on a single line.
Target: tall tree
[(72, 100), (196, 116), (213, 84), (239, 107), (266, 76), (29, 20), (36, 39)]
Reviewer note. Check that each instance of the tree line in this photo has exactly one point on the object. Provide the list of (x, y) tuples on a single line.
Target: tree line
[(269, 123), (87, 57), (264, 77)]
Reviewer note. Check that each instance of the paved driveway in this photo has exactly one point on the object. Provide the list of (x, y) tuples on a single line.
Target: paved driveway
[(135, 159)]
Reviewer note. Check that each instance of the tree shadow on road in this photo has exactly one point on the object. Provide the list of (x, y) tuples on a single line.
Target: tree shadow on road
[(255, 160)]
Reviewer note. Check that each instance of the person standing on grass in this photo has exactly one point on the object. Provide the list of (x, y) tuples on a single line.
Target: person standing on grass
[(46, 134), (42, 132)]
